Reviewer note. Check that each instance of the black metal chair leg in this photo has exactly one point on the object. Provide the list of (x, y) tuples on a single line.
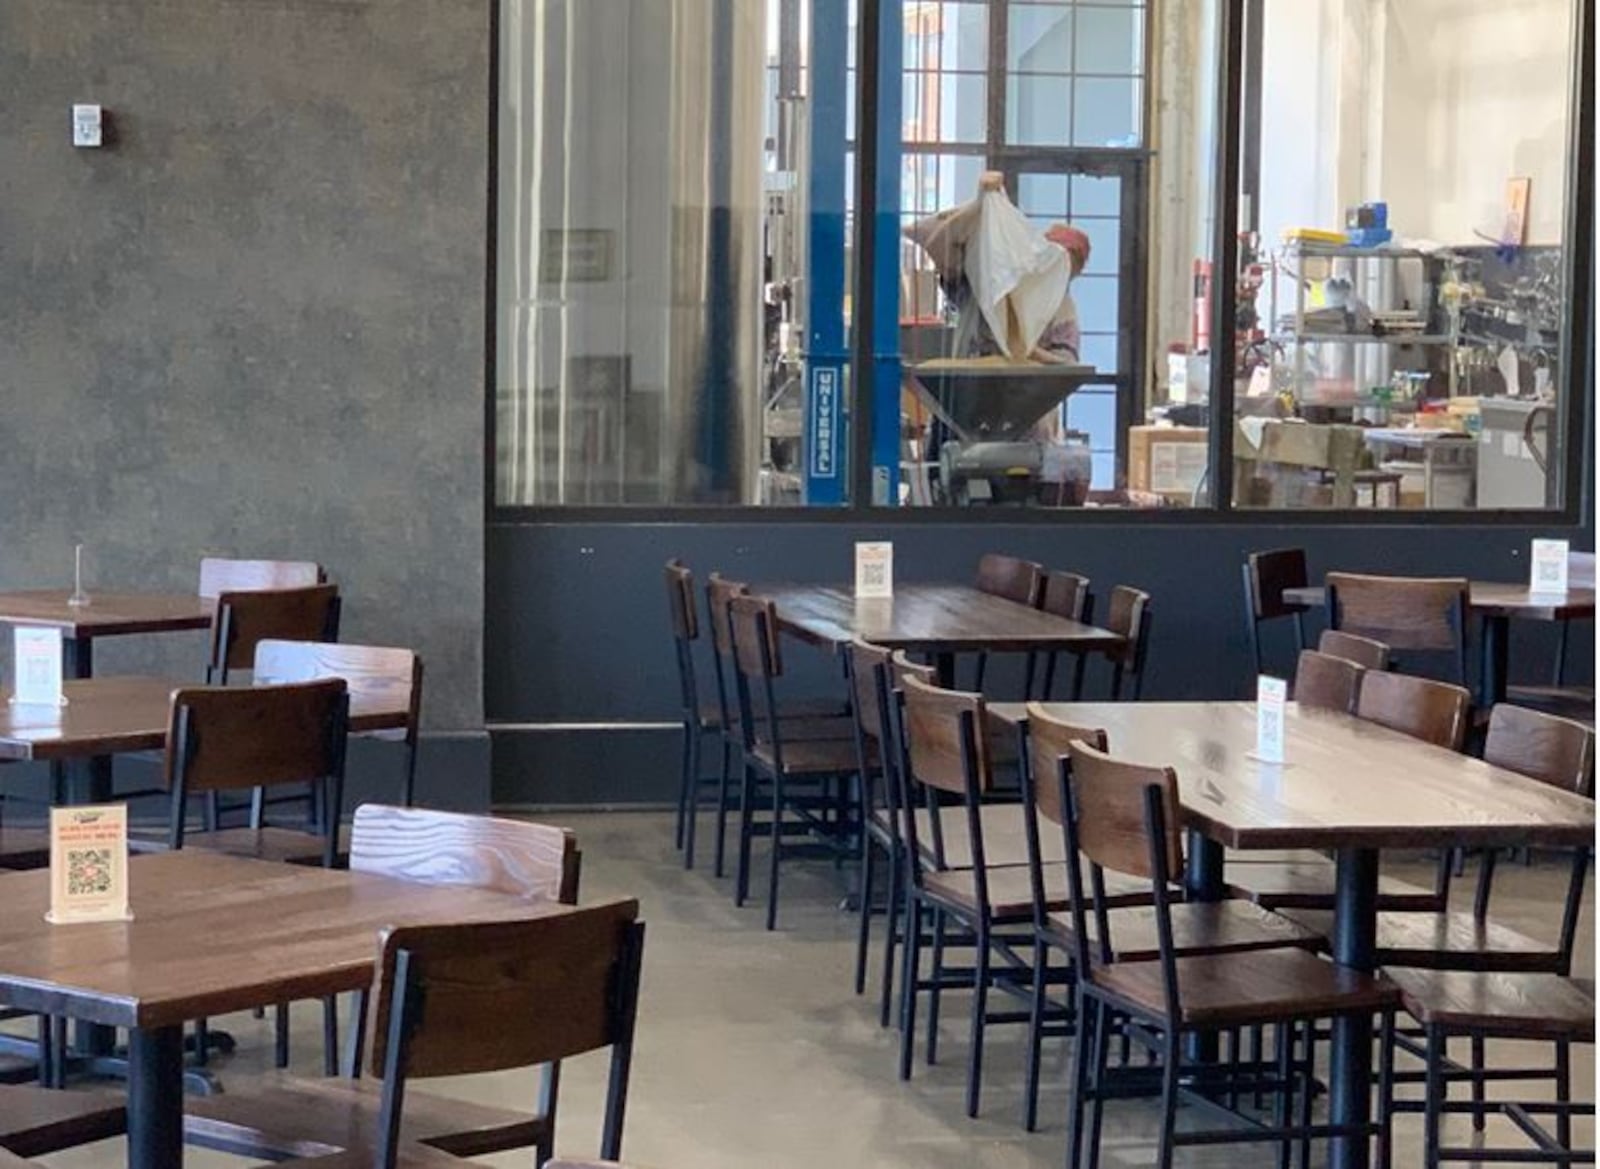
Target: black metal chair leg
[(980, 1010), (912, 946), (891, 917), (864, 910), (1385, 1087), (330, 1035), (280, 1036), (691, 803), (685, 780), (723, 778), (1284, 1105), (1030, 1085), (1308, 1091), (777, 852), (1082, 1058), (741, 878), (1564, 1093), (1479, 1112), (936, 991), (1097, 1072), (1170, 1067), (1434, 1099)]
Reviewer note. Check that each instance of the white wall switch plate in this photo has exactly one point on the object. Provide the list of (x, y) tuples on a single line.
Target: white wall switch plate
[(86, 126)]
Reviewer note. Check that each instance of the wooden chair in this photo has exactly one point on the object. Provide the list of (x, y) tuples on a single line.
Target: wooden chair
[(1128, 615), (1065, 594), (1326, 682), (1012, 579), (1435, 712), (699, 720), (1267, 575), (1560, 697), (868, 668), (535, 862), (797, 771), (803, 719), (1124, 818), (1363, 651), (1409, 614), (466, 999), (1218, 927), (383, 677)]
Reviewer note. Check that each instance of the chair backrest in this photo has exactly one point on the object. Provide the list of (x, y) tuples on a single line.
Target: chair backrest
[(223, 738), (537, 862), (753, 622), (1108, 806), (1352, 647), (245, 619), (902, 667), (1012, 578), (1580, 570), (680, 601), (1128, 614), (380, 677), (1066, 594), (1327, 682), (1406, 613), (719, 595), (1435, 712), (946, 739), (866, 662), (1049, 750), (220, 575), (482, 997), (1268, 575), (1541, 746)]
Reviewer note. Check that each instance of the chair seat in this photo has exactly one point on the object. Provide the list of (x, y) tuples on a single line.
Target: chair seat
[(1267, 986), (280, 1115), (1448, 941), (810, 757), (1201, 927), (36, 1121), (1309, 884), (1505, 1005), (821, 708), (1004, 836), (1011, 890), (285, 845)]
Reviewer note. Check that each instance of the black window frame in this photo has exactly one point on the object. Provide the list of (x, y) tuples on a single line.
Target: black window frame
[(1231, 168)]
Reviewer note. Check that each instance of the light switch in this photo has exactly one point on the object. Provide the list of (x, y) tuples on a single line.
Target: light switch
[(86, 126)]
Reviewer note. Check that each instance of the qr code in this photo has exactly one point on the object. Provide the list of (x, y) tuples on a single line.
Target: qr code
[(874, 576), (88, 871)]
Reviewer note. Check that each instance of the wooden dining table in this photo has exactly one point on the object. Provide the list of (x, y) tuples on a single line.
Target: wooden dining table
[(1496, 604), (1348, 786), (210, 934), (104, 615), (937, 619)]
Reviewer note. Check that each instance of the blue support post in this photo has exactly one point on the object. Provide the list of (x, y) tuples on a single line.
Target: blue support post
[(827, 470), (886, 362)]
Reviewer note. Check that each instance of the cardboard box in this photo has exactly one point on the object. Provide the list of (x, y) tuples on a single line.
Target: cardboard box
[(1167, 460)]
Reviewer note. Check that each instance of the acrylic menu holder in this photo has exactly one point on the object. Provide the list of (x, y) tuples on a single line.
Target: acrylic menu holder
[(36, 676)]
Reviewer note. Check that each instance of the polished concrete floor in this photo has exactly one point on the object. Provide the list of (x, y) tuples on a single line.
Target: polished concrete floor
[(752, 1051)]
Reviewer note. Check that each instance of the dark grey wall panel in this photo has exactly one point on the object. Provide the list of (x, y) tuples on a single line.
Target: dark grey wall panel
[(576, 621), (254, 325)]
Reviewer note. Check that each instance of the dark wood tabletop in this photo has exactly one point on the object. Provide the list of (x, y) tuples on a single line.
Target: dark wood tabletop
[(1347, 782), (107, 614), (932, 618), (108, 716), (212, 933), (1493, 599)]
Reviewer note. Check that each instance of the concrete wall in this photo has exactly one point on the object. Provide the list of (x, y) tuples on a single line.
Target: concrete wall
[(254, 324)]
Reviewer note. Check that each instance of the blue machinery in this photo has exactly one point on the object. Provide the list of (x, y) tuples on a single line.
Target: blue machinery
[(826, 444)]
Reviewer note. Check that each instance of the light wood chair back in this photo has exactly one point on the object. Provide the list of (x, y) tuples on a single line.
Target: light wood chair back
[(384, 677), (220, 575), (945, 739), (537, 862), (466, 999), (1049, 751), (1352, 647), (1553, 750), (1065, 594), (1435, 712), (1327, 682), (245, 619), (866, 663), (1011, 578), (1108, 805), (1424, 614)]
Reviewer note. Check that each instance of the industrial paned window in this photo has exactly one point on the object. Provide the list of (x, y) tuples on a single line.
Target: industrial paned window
[(1406, 221)]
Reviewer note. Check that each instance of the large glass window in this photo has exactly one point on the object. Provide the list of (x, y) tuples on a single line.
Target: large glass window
[(1405, 212)]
